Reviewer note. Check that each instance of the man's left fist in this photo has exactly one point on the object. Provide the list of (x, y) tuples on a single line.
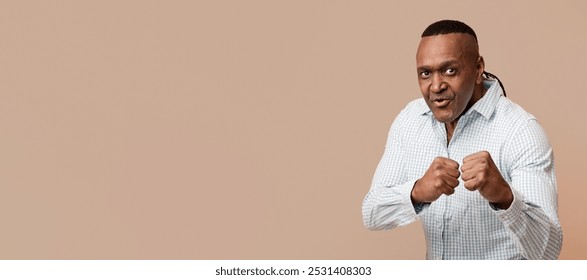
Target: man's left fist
[(480, 173)]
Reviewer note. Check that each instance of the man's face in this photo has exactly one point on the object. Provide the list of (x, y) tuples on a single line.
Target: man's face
[(449, 74)]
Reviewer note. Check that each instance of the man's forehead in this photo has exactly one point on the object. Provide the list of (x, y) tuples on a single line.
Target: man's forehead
[(446, 46)]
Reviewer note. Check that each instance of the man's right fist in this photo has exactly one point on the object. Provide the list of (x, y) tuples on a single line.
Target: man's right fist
[(441, 178)]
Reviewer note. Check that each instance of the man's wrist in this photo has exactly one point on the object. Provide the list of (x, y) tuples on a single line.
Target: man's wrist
[(418, 205), (414, 201), (506, 201)]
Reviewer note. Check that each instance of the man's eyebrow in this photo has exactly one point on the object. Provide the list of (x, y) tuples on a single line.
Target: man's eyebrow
[(443, 65), (449, 63)]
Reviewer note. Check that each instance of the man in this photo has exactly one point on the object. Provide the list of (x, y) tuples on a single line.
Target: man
[(473, 166)]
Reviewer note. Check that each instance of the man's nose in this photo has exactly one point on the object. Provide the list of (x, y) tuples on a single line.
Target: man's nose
[(438, 85)]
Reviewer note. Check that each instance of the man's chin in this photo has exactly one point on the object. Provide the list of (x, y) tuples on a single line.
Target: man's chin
[(443, 118)]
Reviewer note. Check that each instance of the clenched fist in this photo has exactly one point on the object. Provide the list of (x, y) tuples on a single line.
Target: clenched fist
[(481, 174), (441, 178)]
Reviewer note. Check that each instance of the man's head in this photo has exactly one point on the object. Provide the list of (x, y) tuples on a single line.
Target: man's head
[(450, 69)]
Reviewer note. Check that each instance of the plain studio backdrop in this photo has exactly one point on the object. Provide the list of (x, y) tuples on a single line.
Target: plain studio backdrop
[(246, 129)]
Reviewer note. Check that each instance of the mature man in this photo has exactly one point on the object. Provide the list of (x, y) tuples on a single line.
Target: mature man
[(473, 166)]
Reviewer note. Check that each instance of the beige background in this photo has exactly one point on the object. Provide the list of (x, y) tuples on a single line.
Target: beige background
[(245, 129)]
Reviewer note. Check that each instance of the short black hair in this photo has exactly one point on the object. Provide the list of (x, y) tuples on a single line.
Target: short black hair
[(447, 26)]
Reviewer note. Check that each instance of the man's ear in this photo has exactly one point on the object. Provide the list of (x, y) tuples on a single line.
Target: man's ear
[(480, 65)]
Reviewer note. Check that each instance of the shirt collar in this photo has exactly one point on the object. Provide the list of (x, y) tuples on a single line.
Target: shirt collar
[(485, 106)]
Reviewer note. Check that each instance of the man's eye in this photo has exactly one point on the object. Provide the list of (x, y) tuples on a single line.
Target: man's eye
[(424, 74), (450, 71)]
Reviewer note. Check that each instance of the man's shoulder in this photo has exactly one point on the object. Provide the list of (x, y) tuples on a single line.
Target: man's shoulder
[(415, 107), (518, 123), (411, 114), (511, 112)]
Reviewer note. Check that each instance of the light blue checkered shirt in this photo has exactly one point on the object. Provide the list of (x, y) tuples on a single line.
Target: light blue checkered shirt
[(464, 225)]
